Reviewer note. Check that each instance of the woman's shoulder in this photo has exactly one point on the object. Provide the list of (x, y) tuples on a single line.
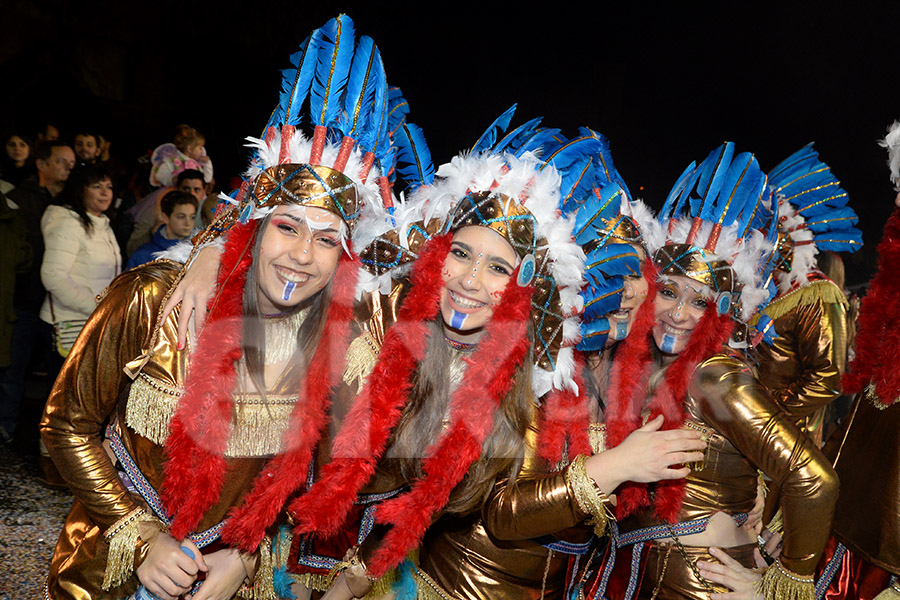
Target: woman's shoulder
[(56, 214)]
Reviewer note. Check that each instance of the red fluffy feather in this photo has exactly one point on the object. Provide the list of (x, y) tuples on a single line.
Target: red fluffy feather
[(199, 430), (565, 416), (501, 351), (878, 336), (364, 434), (285, 473)]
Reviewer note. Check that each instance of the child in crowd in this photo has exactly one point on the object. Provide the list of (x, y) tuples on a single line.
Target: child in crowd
[(186, 151), (178, 210)]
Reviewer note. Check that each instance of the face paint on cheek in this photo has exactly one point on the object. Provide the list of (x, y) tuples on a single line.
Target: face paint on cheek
[(668, 343), (497, 295), (288, 290), (458, 320)]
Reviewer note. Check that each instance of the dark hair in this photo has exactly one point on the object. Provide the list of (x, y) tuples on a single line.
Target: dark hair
[(189, 174), (45, 151), (175, 198), (85, 133), (7, 166), (72, 195)]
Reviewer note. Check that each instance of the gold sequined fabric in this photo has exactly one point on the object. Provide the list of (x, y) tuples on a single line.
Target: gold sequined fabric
[(802, 367), (92, 387), (751, 433)]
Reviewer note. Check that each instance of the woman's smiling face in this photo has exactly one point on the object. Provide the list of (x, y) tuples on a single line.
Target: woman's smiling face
[(633, 295), (680, 303), (475, 273), (298, 256)]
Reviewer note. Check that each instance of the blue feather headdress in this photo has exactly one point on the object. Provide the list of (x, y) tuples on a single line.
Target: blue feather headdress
[(335, 90), (713, 220), (810, 206)]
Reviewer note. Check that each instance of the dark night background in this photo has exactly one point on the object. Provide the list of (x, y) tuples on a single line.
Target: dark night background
[(666, 82)]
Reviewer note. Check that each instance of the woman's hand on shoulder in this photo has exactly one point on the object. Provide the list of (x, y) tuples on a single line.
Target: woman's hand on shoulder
[(194, 292), (647, 455)]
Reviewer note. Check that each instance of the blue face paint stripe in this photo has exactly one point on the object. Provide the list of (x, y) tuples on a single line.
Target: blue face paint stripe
[(288, 290), (668, 344), (458, 319), (621, 331)]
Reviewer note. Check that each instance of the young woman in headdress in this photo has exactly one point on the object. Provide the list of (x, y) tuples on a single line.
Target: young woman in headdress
[(678, 365), (207, 440)]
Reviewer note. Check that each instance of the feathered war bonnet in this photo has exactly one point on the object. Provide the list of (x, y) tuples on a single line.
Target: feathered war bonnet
[(708, 232), (811, 214), (511, 186), (338, 83)]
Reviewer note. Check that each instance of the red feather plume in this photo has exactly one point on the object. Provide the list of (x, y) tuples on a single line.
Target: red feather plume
[(565, 416), (364, 434), (488, 378)]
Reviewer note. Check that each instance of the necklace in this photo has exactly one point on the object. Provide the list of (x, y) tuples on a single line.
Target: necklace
[(460, 346)]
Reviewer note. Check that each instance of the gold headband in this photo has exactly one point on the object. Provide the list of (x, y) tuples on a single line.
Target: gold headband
[(501, 213), (689, 261), (307, 185)]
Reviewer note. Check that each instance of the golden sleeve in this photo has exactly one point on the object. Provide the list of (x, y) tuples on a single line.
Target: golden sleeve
[(732, 401), (89, 387), (821, 349), (534, 503)]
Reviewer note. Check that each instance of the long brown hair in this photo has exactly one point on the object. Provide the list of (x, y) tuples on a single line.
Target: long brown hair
[(423, 423), (253, 340)]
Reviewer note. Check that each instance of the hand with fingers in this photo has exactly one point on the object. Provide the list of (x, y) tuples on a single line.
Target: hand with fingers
[(744, 583), (168, 571), (225, 576), (754, 517), (647, 455), (194, 292)]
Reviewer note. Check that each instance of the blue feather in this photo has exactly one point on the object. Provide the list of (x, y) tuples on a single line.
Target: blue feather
[(672, 205), (711, 174), (489, 137), (523, 131), (594, 335), (362, 82), (594, 211), (413, 157), (398, 108), (839, 241), (405, 587), (743, 182), (372, 124), (332, 69), (836, 220), (537, 140), (295, 83)]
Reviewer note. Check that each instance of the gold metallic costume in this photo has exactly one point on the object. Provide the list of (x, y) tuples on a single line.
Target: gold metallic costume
[(746, 432), (802, 368), (92, 387)]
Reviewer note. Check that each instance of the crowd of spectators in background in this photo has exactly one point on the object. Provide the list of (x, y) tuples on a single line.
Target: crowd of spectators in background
[(71, 215)]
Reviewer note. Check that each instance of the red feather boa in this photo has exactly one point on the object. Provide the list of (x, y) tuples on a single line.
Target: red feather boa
[(287, 472), (878, 336), (565, 416), (364, 434), (489, 376), (628, 389), (199, 430)]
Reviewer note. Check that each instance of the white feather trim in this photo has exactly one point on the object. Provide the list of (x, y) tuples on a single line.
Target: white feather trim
[(892, 143), (804, 255)]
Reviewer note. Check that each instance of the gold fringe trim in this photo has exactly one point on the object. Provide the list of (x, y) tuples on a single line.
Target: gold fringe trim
[(597, 437), (822, 290), (258, 426), (891, 592), (427, 588), (262, 587), (776, 525), (589, 497), (362, 355), (781, 584), (872, 396), (123, 537), (313, 581), (151, 406)]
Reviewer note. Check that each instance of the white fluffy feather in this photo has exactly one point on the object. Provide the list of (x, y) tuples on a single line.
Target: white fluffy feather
[(892, 143)]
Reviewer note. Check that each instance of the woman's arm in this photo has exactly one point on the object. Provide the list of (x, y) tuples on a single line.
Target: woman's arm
[(737, 406)]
